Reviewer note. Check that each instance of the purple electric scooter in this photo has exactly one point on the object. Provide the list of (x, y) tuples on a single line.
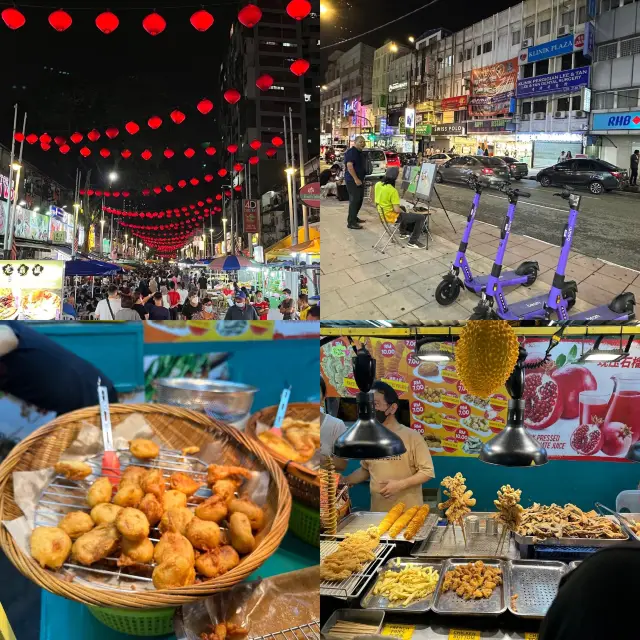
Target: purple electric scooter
[(562, 295), (526, 273)]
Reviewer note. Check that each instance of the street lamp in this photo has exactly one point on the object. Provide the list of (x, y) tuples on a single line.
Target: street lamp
[(113, 176), (16, 166), (411, 39), (393, 47)]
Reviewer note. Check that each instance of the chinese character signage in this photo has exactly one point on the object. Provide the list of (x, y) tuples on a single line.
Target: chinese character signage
[(492, 88), (561, 82)]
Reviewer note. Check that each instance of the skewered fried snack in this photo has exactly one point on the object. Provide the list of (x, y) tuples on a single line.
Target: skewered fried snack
[(133, 475), (50, 546), (175, 571), (394, 513), (73, 469), (350, 556), (184, 483), (132, 524), (105, 513), (187, 451), (75, 523), (509, 507), (176, 520), (402, 521), (153, 482), (475, 580), (100, 491), (128, 496), (214, 509), (217, 562), (203, 534), (135, 551), (416, 522), (250, 509), (152, 508), (242, 539), (173, 544), (217, 472), (173, 499), (144, 449), (96, 544), (459, 498)]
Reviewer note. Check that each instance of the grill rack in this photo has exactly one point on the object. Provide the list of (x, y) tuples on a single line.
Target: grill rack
[(309, 631)]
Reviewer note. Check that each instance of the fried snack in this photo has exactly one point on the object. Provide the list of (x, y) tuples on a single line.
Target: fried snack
[(514, 601), (187, 451), (153, 482), (144, 449), (250, 509), (132, 524), (133, 475), (213, 509), (75, 523), (459, 499), (203, 534), (184, 483), (242, 539), (428, 369), (304, 436), (96, 545), (416, 522), (176, 520), (174, 572), (173, 544), (105, 513), (217, 472), (509, 507), (135, 551), (394, 513), (280, 446), (152, 508), (411, 583), (402, 521), (100, 491), (470, 581), (173, 499), (225, 631), (73, 469), (226, 489), (350, 556), (217, 562), (128, 496), (50, 546)]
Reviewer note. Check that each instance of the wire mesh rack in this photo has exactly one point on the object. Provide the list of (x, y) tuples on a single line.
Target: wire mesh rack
[(309, 631)]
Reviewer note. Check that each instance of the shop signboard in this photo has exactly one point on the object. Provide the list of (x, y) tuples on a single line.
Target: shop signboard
[(409, 117), (492, 88), (310, 195), (591, 8), (4, 187), (589, 40), (561, 82), (425, 106), (457, 129), (448, 117), (398, 86), (490, 126), (620, 121), (30, 225), (423, 129), (454, 104), (251, 216), (547, 50)]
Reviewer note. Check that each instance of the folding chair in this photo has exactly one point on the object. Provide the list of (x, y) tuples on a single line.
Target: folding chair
[(390, 230)]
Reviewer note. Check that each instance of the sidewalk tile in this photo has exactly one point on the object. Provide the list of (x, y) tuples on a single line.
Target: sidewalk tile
[(332, 303), (487, 250), (523, 250), (482, 238), (365, 311), (362, 292), (553, 251), (427, 288), (399, 279), (336, 263), (430, 269), (592, 264), (400, 262), (594, 296), (333, 281), (611, 285), (536, 245), (620, 273), (409, 319), (360, 273), (433, 311), (396, 304), (366, 257)]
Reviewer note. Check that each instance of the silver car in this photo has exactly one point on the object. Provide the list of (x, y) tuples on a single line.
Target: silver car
[(440, 158), (468, 169)]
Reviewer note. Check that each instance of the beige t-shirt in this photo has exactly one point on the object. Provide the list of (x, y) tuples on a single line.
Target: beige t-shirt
[(416, 458)]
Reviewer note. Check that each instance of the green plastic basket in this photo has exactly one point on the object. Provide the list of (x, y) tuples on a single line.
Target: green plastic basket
[(149, 622), (305, 523)]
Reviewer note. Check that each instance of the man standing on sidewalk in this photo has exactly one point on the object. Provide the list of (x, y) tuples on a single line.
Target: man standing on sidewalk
[(354, 179), (635, 156)]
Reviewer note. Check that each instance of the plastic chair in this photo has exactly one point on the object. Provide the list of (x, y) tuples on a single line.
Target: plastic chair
[(69, 317), (628, 501), (390, 230)]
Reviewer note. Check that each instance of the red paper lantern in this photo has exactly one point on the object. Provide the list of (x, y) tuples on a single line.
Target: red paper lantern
[(157, 190), (32, 138), (182, 183), (105, 153), (204, 106), (85, 151), (59, 140), (200, 203), (19, 137), (132, 128), (222, 172), (238, 187), (194, 181), (45, 146), (98, 192), (299, 67), (154, 122), (210, 151), (93, 135), (90, 192), (264, 82), (112, 132), (209, 200), (107, 194), (168, 188), (13, 18), (125, 194), (146, 192), (277, 141), (255, 144), (82, 192), (232, 148), (227, 193), (45, 138), (116, 194), (146, 154), (168, 153), (65, 148), (218, 196), (76, 137), (254, 160), (271, 152), (299, 9), (238, 167), (232, 96), (192, 206), (250, 15), (125, 153), (154, 24), (60, 20), (208, 177), (107, 22), (184, 209), (189, 152), (177, 116), (201, 20)]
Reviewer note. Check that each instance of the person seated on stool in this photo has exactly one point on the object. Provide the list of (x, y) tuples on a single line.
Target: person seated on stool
[(386, 195), (329, 180)]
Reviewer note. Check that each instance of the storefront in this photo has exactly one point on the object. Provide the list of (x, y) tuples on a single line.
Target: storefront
[(619, 136), (498, 136), (543, 149), (451, 136)]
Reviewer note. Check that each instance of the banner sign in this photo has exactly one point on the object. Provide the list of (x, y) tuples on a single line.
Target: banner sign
[(589, 40), (453, 104), (547, 50), (621, 120), (490, 126), (310, 195), (456, 129), (423, 129), (561, 82), (492, 88), (251, 216)]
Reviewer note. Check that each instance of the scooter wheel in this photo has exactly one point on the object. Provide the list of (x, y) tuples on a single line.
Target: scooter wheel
[(532, 276), (447, 292), (570, 297)]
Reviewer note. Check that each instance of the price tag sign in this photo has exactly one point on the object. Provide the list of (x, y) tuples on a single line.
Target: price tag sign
[(350, 383), (530, 635), (402, 631), (464, 634)]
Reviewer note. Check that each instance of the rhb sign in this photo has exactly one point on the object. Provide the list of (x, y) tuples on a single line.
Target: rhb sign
[(622, 120)]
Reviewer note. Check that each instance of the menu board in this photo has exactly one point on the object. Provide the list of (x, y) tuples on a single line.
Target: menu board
[(31, 289)]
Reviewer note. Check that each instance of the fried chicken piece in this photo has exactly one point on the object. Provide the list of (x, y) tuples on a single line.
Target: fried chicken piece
[(203, 534), (213, 509), (176, 520), (217, 562), (105, 513), (242, 539), (187, 451), (50, 546), (128, 496), (280, 446), (132, 524), (153, 482), (173, 544), (135, 551), (152, 508), (175, 571), (75, 523), (250, 509), (96, 544), (100, 491), (225, 631), (173, 499), (73, 469), (144, 449), (226, 489), (184, 483), (133, 475), (217, 472)]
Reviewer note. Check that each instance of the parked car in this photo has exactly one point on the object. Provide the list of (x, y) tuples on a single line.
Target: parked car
[(597, 175), (393, 159), (376, 163), (441, 158), (466, 169), (517, 168)]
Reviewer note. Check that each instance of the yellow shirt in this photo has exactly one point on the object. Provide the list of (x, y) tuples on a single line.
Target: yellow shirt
[(386, 195), (304, 312), (416, 458)]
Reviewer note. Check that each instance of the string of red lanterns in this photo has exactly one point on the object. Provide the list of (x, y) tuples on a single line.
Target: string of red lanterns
[(177, 211)]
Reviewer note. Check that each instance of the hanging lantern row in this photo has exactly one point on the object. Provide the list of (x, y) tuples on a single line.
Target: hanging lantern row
[(161, 213)]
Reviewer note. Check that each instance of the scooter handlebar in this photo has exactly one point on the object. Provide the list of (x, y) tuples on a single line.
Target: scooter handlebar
[(522, 194)]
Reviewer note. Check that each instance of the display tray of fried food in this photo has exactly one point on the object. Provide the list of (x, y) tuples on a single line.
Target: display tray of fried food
[(296, 440), (350, 556), (556, 525), (398, 523)]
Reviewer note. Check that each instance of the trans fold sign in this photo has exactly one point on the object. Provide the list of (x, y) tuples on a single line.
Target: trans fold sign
[(559, 47)]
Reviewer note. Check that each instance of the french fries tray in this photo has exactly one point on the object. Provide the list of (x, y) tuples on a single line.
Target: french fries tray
[(359, 520), (381, 603), (536, 583)]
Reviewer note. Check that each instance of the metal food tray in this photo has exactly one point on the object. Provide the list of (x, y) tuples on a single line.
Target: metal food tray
[(380, 603), (574, 542), (627, 528), (310, 631), (536, 583), (451, 604), (353, 586), (574, 565), (362, 520)]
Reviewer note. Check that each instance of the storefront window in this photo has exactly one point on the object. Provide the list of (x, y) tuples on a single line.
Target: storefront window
[(540, 106), (527, 70), (526, 108), (563, 104), (576, 103), (542, 67), (628, 98), (566, 62), (603, 100)]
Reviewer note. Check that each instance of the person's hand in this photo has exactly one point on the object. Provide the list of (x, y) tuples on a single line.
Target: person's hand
[(391, 488), (358, 182)]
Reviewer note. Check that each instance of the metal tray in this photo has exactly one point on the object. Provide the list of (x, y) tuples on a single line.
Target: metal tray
[(380, 603), (373, 618), (536, 584), (574, 565), (450, 604), (574, 542), (359, 520), (626, 528)]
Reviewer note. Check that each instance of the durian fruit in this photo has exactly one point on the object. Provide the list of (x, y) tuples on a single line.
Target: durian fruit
[(486, 353)]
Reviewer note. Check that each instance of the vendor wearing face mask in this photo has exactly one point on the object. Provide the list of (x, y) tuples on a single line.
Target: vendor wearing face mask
[(241, 310), (400, 478), (191, 306)]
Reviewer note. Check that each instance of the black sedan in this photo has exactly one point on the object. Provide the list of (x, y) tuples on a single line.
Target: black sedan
[(517, 169), (597, 175)]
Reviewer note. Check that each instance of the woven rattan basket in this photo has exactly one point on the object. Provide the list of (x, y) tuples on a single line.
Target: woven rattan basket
[(176, 428), (304, 482)]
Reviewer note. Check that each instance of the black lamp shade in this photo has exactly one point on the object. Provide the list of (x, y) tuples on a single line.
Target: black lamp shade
[(367, 439)]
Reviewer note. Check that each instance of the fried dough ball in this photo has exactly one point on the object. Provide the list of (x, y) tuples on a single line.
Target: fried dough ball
[(242, 539), (152, 508), (50, 546), (173, 499), (105, 513), (153, 482), (133, 475), (226, 489), (96, 544), (144, 449), (213, 509), (203, 534), (172, 544), (135, 551), (176, 520), (174, 572), (100, 491), (184, 483), (128, 496), (75, 523), (250, 509), (217, 562), (132, 524), (73, 469)]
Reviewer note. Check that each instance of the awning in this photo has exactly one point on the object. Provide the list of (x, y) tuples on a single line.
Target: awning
[(89, 268), (310, 247), (285, 244)]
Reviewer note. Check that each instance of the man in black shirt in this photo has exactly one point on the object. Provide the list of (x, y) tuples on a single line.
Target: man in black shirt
[(39, 371), (354, 179), (157, 311), (202, 283)]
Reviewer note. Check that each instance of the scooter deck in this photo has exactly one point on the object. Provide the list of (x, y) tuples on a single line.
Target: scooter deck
[(531, 307), (599, 313), (480, 282)]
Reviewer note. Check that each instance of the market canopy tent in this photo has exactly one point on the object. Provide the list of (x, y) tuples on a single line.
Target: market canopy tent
[(312, 247), (89, 268), (232, 263), (287, 244)]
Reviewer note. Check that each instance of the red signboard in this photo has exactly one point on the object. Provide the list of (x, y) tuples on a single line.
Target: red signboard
[(310, 195), (251, 216), (452, 104)]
